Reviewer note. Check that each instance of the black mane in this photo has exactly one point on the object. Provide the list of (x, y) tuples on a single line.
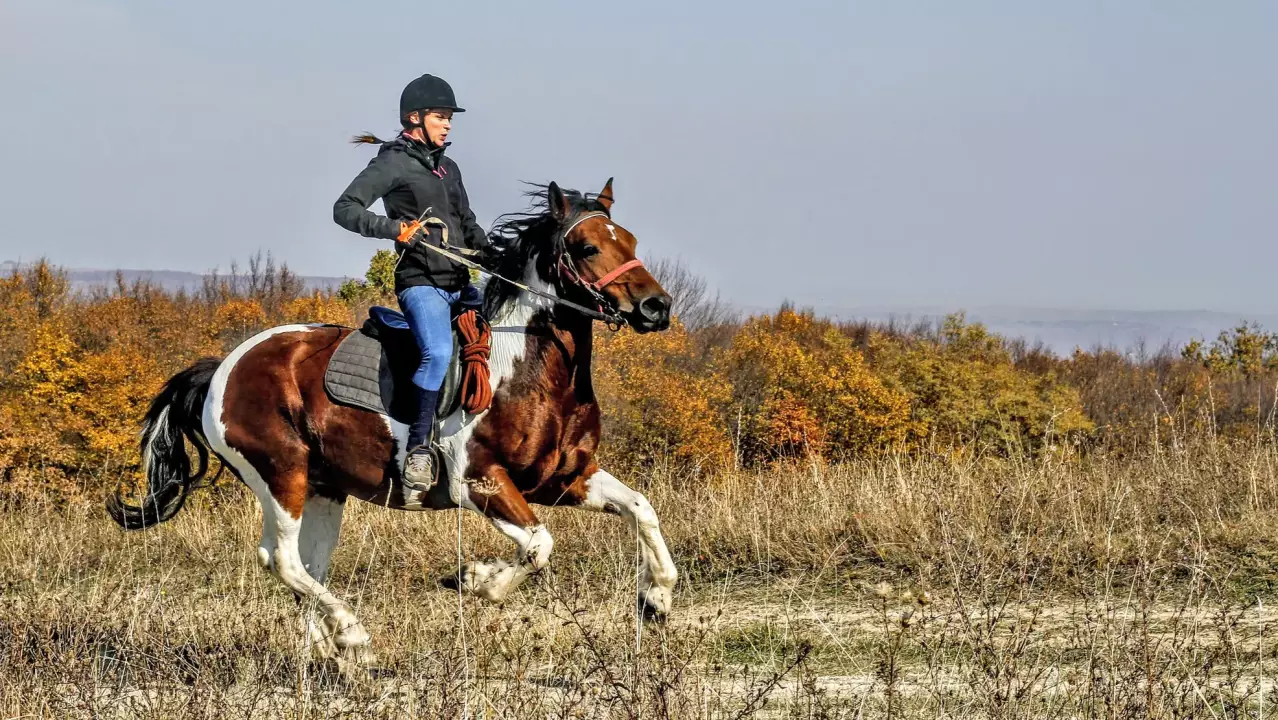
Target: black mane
[(517, 238)]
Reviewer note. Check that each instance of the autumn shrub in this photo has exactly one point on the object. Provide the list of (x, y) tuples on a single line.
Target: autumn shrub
[(1218, 391), (318, 307), (966, 390), (660, 403), (78, 369), (800, 387), (17, 312)]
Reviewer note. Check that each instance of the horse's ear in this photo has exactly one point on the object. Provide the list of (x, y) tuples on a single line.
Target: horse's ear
[(559, 208), (605, 196)]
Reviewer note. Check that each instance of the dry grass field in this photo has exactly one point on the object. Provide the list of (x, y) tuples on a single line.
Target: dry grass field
[(1101, 586)]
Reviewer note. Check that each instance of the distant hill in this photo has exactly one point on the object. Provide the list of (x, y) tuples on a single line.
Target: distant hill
[(173, 280), (1063, 330)]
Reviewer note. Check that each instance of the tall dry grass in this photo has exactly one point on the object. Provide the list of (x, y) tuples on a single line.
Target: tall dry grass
[(902, 586)]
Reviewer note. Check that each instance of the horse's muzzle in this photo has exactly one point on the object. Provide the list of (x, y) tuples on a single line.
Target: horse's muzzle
[(653, 313)]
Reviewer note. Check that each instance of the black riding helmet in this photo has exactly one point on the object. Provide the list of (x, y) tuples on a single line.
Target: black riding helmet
[(427, 93)]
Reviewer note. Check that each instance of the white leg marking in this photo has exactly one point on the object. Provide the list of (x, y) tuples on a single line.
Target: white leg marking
[(265, 546), (606, 493), (321, 523), (495, 579), (292, 572)]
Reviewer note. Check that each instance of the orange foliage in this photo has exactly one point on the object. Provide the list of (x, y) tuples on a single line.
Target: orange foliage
[(800, 387), (318, 308), (234, 320), (77, 371), (656, 407)]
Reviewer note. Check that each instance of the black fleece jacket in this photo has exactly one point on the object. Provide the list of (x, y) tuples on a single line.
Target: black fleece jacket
[(410, 177)]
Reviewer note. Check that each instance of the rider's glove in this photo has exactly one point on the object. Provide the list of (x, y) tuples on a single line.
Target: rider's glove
[(407, 230)]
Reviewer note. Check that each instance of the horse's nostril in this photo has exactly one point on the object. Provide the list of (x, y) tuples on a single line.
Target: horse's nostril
[(655, 308)]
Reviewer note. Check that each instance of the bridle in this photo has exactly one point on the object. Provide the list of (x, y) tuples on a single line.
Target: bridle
[(594, 289), (603, 310)]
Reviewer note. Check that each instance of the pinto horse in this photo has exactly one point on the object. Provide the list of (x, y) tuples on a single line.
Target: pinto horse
[(264, 412)]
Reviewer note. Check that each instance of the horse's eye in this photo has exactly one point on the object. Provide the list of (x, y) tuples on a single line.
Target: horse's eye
[(586, 251)]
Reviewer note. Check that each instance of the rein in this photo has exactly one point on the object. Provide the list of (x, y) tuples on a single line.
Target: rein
[(613, 320)]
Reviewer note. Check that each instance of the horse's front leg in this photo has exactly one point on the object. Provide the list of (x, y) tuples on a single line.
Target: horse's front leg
[(490, 492), (602, 492)]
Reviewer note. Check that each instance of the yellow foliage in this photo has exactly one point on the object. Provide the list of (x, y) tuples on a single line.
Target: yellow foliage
[(38, 400), (47, 374), (802, 388), (236, 319), (655, 407), (318, 308), (115, 387), (73, 407), (966, 388), (16, 312)]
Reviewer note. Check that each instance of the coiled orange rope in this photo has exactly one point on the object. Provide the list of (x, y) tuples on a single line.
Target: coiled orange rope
[(476, 390)]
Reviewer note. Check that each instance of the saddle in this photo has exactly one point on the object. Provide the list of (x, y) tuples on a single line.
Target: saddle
[(372, 369)]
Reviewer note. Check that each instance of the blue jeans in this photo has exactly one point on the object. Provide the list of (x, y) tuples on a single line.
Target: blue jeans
[(429, 311)]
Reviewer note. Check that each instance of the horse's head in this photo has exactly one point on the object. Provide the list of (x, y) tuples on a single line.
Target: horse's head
[(595, 257)]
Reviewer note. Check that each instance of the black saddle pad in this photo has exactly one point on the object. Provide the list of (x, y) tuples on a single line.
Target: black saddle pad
[(373, 368)]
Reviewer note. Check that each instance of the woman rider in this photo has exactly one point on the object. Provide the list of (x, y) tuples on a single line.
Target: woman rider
[(413, 178)]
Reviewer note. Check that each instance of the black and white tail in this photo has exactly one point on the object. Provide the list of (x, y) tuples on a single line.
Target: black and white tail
[(175, 413)]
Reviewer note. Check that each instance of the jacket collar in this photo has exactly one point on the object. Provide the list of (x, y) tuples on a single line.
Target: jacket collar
[(429, 155)]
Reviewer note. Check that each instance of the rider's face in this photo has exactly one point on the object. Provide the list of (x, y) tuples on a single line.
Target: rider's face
[(437, 123)]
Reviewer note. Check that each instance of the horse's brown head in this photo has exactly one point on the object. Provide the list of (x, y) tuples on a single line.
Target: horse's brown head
[(598, 257), (573, 244)]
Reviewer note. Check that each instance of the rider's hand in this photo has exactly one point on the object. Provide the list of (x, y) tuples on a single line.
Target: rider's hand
[(407, 231)]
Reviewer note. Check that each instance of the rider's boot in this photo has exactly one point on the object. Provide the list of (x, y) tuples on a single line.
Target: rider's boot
[(420, 472)]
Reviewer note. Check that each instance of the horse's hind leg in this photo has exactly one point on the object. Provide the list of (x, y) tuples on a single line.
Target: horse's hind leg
[(492, 494), (291, 570), (604, 493), (280, 550), (321, 523)]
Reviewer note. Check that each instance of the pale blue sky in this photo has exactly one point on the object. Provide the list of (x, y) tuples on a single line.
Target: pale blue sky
[(1066, 154)]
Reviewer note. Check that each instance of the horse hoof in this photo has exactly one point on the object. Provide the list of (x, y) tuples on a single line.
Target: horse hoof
[(655, 603), (490, 581), (353, 671), (357, 665), (352, 638)]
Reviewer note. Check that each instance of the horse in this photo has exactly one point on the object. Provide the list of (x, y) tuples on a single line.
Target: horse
[(264, 412)]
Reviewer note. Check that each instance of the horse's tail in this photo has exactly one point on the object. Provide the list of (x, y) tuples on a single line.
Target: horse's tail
[(176, 412)]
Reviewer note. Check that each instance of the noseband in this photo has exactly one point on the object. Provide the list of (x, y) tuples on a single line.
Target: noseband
[(592, 288)]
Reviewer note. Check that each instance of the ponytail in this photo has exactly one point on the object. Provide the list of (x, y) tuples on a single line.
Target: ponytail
[(367, 138)]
